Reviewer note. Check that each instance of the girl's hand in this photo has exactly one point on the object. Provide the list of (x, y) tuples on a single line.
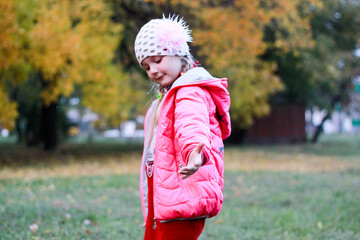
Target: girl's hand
[(194, 162)]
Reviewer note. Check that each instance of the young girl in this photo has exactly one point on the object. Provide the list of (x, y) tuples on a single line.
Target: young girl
[(182, 170)]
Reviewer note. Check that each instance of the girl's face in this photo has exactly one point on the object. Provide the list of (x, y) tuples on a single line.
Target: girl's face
[(163, 70)]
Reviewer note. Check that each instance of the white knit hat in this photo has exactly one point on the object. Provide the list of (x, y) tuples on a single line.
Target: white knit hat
[(163, 37)]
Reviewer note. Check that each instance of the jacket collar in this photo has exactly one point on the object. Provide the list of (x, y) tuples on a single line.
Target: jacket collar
[(196, 74)]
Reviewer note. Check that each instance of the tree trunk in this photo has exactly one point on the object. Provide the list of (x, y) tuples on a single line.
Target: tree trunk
[(334, 100), (19, 128), (319, 128), (49, 119)]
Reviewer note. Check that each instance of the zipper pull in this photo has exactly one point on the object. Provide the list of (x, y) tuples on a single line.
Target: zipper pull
[(154, 226)]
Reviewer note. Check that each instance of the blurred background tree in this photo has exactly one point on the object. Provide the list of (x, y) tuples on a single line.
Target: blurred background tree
[(332, 63), (321, 75), (238, 39), (63, 45), (9, 57), (273, 52)]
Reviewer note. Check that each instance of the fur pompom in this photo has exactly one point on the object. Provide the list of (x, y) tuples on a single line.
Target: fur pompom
[(173, 34)]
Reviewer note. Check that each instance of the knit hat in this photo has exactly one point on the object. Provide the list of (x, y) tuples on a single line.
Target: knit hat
[(163, 37)]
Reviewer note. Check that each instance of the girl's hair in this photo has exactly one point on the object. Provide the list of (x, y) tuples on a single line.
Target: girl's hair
[(187, 63)]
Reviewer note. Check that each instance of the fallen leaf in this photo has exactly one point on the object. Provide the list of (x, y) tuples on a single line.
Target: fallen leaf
[(319, 225), (87, 222), (68, 216), (34, 228), (109, 211)]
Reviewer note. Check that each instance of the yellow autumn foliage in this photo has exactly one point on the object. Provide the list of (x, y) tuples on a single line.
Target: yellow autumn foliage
[(229, 41), (67, 55), (291, 23), (71, 44), (8, 110), (8, 35), (9, 55)]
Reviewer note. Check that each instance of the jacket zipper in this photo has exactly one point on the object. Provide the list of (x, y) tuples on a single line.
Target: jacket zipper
[(182, 219), (154, 226), (156, 154), (175, 219)]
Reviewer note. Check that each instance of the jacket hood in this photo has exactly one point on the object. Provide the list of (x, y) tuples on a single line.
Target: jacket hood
[(217, 88)]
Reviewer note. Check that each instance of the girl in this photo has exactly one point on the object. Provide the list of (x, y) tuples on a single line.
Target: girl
[(182, 170)]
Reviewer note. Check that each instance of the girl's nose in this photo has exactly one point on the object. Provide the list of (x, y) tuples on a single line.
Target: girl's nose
[(153, 70)]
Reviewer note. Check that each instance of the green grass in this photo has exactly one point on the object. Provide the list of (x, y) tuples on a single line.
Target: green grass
[(258, 204), (109, 202), (332, 145), (264, 205)]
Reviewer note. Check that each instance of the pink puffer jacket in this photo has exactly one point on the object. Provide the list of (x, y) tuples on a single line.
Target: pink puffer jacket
[(196, 109)]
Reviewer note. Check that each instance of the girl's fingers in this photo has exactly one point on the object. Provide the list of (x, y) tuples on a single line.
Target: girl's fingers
[(187, 172), (194, 164), (189, 169)]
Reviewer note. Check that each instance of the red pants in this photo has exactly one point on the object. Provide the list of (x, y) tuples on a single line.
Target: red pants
[(174, 230)]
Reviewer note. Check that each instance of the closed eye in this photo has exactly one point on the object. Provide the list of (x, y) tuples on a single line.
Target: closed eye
[(159, 60)]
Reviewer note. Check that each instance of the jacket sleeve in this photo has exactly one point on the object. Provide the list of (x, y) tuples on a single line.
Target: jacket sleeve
[(192, 120)]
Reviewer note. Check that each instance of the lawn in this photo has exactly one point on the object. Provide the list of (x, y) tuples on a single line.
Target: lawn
[(271, 192)]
